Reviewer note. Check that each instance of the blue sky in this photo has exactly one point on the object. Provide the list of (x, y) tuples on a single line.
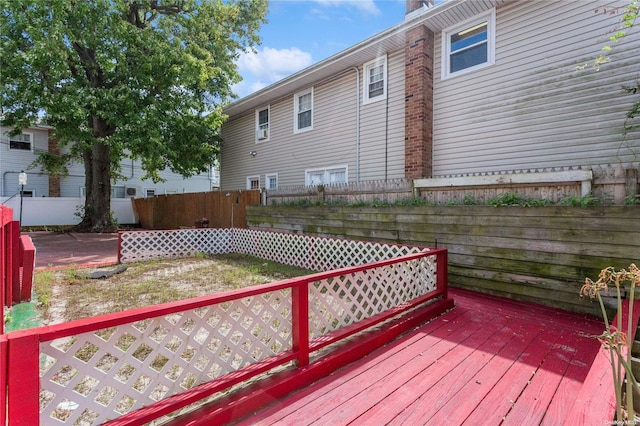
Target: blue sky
[(301, 33)]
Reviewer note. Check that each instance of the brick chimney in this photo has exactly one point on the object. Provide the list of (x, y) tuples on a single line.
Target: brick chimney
[(418, 106), (416, 4)]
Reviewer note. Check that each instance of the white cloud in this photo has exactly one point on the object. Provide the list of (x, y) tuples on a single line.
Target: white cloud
[(271, 65), (367, 6), (268, 65)]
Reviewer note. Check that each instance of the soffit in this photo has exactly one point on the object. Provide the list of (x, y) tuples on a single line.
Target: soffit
[(436, 18)]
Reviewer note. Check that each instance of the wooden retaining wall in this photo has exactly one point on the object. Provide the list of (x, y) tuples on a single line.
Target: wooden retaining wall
[(539, 254)]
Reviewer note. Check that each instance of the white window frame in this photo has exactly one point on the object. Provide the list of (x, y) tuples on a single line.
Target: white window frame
[(326, 171), (296, 111), (252, 178), (147, 190), (366, 99), (113, 191), (267, 180), (260, 127), (31, 143), (488, 16)]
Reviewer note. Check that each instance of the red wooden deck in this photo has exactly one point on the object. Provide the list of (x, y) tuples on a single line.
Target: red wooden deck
[(489, 361)]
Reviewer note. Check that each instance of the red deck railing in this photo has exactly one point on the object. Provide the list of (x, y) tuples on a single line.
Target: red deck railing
[(17, 261), (132, 367)]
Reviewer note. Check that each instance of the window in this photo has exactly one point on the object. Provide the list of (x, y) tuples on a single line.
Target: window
[(469, 46), (262, 124), (117, 192), (326, 176), (149, 192), (20, 142), (375, 80), (271, 181), (253, 182), (303, 111)]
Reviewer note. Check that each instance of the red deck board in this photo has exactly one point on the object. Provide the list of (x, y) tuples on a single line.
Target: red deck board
[(479, 386), (382, 377), (426, 393), (425, 368), (306, 398), (583, 355), (473, 365)]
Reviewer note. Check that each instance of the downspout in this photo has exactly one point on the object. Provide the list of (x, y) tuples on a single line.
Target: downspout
[(357, 124), (386, 136)]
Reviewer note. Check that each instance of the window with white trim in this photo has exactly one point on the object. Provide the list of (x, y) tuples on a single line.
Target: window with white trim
[(326, 176), (470, 45), (262, 124), (253, 182), (271, 181), (375, 80), (21, 142), (149, 192), (303, 111), (118, 192)]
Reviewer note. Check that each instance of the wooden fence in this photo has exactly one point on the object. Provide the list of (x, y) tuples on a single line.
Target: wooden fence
[(220, 209), (539, 254), (613, 185)]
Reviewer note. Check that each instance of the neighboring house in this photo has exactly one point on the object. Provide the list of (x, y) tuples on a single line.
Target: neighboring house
[(465, 86), (17, 153)]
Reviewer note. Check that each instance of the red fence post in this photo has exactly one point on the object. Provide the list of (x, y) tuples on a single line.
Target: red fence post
[(13, 263), (442, 278), (4, 368), (23, 381), (119, 247), (28, 256), (300, 321)]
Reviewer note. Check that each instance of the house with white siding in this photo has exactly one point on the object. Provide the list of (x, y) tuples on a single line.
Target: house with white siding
[(17, 154), (461, 87)]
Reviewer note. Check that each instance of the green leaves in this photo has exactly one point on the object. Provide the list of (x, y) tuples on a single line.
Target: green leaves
[(150, 70)]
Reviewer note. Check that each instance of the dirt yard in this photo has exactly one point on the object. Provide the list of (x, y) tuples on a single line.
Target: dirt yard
[(69, 294)]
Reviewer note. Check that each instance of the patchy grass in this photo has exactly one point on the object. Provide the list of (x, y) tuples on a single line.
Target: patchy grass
[(70, 294)]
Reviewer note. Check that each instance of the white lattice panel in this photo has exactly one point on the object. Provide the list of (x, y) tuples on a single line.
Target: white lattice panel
[(113, 371), (340, 301), (136, 246), (317, 253)]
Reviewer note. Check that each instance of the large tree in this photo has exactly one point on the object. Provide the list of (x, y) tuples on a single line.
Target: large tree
[(141, 79)]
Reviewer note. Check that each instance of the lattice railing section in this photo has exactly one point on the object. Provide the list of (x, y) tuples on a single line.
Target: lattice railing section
[(92, 370), (143, 245), (343, 300), (91, 377), (316, 253)]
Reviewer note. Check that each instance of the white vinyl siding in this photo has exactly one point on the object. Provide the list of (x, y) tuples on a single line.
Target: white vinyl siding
[(13, 161), (534, 108), (333, 139)]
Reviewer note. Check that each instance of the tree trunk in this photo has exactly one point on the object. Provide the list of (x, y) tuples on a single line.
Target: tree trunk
[(96, 216)]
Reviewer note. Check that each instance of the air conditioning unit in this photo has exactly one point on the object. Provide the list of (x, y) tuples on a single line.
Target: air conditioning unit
[(133, 191), (263, 134)]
